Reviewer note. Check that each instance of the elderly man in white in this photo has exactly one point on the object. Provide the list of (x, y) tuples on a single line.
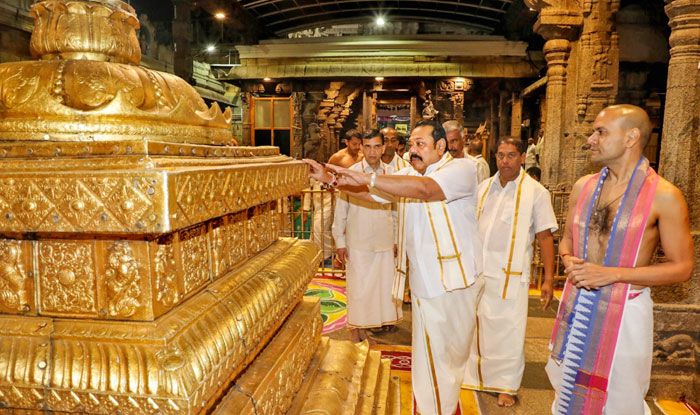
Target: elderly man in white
[(513, 210), (438, 234), (364, 240)]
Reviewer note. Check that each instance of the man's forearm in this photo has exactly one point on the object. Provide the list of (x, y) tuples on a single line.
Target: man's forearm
[(546, 241), (654, 275), (413, 187)]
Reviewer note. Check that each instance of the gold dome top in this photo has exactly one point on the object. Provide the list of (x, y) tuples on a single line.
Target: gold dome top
[(87, 85)]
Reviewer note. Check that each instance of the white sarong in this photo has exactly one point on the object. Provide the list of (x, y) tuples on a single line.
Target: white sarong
[(497, 357), (370, 276), (631, 369), (443, 327)]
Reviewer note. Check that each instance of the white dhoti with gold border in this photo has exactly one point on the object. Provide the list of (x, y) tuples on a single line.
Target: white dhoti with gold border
[(631, 368), (443, 327), (370, 277), (497, 357)]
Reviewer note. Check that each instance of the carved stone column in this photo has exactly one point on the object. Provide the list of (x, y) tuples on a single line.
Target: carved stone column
[(677, 313), (556, 52), (516, 115), (559, 23), (596, 57), (182, 38)]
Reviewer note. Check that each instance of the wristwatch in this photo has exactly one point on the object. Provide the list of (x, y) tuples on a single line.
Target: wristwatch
[(372, 179)]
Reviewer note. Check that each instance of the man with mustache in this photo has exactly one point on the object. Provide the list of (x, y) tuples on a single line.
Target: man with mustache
[(438, 235)]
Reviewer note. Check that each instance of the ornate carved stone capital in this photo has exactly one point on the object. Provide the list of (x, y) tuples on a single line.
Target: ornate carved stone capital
[(684, 20), (556, 52)]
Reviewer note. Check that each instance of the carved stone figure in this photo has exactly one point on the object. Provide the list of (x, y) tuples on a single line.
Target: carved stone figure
[(601, 60), (312, 144), (679, 346), (122, 281)]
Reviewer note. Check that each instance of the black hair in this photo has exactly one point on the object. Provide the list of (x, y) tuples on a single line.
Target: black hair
[(368, 135), (438, 131)]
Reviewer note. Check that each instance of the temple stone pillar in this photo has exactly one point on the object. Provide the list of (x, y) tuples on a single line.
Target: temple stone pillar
[(677, 310), (595, 63), (556, 52), (559, 22), (182, 38), (516, 115)]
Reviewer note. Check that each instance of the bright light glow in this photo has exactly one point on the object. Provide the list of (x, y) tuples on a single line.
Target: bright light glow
[(211, 48), (220, 15), (379, 78), (380, 21), (266, 79)]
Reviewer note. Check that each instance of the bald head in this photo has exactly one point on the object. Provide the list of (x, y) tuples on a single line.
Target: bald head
[(631, 117)]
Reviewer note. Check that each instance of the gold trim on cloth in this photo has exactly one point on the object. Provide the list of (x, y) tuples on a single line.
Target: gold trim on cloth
[(508, 271), (433, 376)]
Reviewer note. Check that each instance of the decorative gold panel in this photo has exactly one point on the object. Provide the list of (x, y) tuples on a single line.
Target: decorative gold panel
[(196, 270), (16, 277), (178, 364), (138, 202), (67, 278)]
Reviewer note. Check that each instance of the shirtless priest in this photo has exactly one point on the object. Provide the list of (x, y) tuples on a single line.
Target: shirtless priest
[(601, 345)]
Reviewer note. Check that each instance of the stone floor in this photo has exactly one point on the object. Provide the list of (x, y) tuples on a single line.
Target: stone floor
[(536, 395)]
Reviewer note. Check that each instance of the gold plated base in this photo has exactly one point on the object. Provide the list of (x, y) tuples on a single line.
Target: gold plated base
[(179, 364)]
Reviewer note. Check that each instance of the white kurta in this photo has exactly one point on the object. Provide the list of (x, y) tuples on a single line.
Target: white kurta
[(531, 156), (483, 171), (398, 163), (443, 319), (497, 357), (366, 230), (631, 368)]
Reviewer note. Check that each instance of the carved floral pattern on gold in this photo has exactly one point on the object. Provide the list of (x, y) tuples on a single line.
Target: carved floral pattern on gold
[(67, 277), (167, 292), (195, 258)]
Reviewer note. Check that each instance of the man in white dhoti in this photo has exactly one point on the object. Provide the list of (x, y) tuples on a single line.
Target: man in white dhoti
[(438, 234), (323, 199), (364, 241), (601, 345), (513, 210)]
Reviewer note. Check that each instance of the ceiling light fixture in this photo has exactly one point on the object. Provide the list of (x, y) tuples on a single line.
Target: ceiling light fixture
[(379, 78)]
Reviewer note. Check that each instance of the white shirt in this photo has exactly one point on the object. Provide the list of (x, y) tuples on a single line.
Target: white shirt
[(483, 171), (530, 156), (364, 225), (398, 163), (460, 198), (502, 214)]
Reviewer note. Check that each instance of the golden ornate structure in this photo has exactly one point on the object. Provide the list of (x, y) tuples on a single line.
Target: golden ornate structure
[(141, 265)]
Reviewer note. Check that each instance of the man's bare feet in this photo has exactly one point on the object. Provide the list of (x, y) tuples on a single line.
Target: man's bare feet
[(506, 400)]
